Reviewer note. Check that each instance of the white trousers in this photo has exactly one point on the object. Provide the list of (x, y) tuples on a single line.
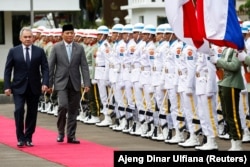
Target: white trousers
[(103, 94), (244, 110), (189, 109), (206, 110)]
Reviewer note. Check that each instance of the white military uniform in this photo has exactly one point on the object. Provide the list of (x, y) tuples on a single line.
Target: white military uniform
[(186, 88), (244, 95), (171, 84), (129, 47), (100, 71), (115, 77), (146, 60), (222, 127), (101, 76), (206, 91), (157, 80), (135, 76), (120, 97), (244, 107)]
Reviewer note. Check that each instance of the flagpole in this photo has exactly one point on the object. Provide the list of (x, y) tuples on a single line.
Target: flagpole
[(194, 3), (31, 14)]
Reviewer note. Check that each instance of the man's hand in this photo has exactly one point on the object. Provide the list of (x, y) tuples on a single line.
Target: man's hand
[(242, 55), (210, 95), (93, 81), (189, 91), (214, 59), (44, 88), (7, 92), (86, 89)]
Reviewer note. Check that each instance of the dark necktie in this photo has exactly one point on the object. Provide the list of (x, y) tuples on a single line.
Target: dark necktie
[(27, 57)]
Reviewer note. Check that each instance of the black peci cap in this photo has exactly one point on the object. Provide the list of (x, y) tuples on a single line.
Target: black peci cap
[(67, 27)]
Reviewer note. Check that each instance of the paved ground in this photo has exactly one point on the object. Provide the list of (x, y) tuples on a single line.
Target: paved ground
[(10, 157)]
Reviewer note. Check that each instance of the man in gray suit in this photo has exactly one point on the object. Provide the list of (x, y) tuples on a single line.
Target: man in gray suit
[(68, 68)]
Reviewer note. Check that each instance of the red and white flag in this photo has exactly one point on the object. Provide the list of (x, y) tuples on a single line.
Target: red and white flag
[(219, 24), (181, 16)]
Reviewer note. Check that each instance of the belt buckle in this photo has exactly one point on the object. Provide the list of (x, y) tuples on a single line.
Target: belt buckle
[(154, 68), (179, 72), (142, 68), (197, 74), (166, 70)]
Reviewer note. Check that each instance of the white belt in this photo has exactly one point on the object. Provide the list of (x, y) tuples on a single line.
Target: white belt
[(171, 71), (116, 66), (200, 74), (99, 65), (136, 65), (182, 72), (155, 68), (126, 65), (145, 68)]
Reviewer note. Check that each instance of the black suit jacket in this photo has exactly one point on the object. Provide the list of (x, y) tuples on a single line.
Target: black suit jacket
[(37, 75)]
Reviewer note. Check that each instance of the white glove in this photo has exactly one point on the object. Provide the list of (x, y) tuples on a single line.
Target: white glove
[(242, 55), (210, 94), (82, 85), (140, 85), (189, 91), (121, 85), (93, 81), (151, 89), (212, 52), (214, 59), (244, 91), (176, 87), (116, 70)]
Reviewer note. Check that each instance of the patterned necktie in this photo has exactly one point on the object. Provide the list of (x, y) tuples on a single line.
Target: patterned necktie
[(27, 57), (69, 51)]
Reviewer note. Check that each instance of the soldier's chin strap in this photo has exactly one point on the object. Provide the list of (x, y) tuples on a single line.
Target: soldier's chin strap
[(117, 38), (162, 38), (102, 37), (171, 37), (138, 36), (149, 38), (127, 37)]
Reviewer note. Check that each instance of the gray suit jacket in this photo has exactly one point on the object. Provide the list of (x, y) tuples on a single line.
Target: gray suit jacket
[(61, 69)]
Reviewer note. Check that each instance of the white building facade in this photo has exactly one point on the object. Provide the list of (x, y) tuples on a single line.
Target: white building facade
[(145, 11)]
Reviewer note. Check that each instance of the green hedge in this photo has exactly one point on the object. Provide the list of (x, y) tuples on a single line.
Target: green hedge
[(1, 86)]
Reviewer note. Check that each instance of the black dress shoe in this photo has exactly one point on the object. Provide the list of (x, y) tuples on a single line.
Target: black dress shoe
[(29, 144), (20, 144), (73, 141), (60, 138)]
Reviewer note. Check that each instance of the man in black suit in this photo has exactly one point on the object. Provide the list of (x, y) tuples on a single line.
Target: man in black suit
[(30, 77)]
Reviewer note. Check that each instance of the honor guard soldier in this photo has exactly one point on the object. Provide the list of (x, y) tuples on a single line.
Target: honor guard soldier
[(231, 86), (129, 46), (186, 88), (100, 72), (206, 91), (157, 80), (146, 59), (92, 96), (135, 75)]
